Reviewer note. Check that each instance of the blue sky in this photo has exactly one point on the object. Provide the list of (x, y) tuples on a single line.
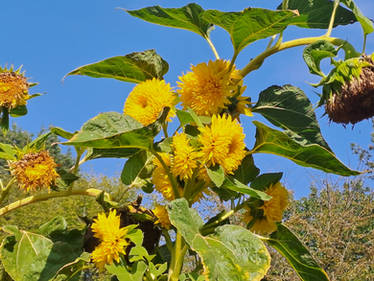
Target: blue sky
[(51, 38)]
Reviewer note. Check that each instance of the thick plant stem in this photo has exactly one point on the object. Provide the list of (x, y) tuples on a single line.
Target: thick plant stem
[(43, 197), (176, 264), (212, 47), (258, 61)]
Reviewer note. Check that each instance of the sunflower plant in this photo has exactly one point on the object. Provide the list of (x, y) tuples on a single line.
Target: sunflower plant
[(204, 155)]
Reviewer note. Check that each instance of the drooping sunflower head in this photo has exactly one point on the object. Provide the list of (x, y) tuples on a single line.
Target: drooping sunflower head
[(35, 171), (162, 216), (223, 143), (185, 159), (147, 100), (112, 239), (263, 219), (13, 88), (208, 87)]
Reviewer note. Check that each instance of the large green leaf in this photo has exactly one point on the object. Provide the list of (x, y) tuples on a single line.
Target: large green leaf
[(231, 253), (134, 166), (72, 271), (7, 152), (317, 13), (263, 181), (314, 53), (29, 256), (272, 141), (366, 23), (112, 130), (135, 67), (247, 171), (297, 255), (289, 108), (251, 24), (187, 17), (96, 153)]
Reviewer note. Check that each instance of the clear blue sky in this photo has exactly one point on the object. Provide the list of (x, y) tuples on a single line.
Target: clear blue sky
[(51, 38)]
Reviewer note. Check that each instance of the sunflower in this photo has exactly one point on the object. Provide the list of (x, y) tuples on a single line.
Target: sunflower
[(272, 210), (223, 143), (162, 216), (185, 159), (13, 89), (112, 237), (148, 99), (161, 179), (35, 170), (208, 87)]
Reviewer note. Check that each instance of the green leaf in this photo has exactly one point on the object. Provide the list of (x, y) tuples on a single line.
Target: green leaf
[(136, 274), (216, 174), (317, 13), (265, 180), (135, 67), (96, 153), (297, 255), (187, 17), (7, 152), (38, 143), (237, 186), (366, 23), (232, 253), (185, 219), (20, 110), (112, 130), (289, 108), (251, 24), (134, 166), (184, 117), (247, 171), (272, 141), (62, 133), (4, 121), (66, 178), (314, 53), (58, 223), (71, 271), (29, 256)]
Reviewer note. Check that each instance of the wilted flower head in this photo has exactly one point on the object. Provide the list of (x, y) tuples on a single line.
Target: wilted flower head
[(223, 143), (35, 170), (147, 100), (112, 237), (208, 87), (13, 88), (272, 210)]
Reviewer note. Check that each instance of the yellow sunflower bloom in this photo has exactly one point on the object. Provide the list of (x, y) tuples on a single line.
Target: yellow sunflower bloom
[(223, 143), (148, 99), (13, 89), (160, 178), (162, 216), (208, 87), (272, 210), (112, 237), (185, 159), (35, 170)]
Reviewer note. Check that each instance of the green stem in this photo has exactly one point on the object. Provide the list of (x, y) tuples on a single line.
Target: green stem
[(165, 130), (5, 191), (43, 197), (364, 44), (172, 179), (285, 5), (233, 60), (169, 243), (258, 61), (212, 47), (332, 19), (180, 249)]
